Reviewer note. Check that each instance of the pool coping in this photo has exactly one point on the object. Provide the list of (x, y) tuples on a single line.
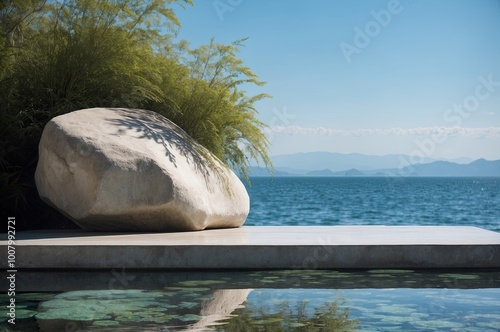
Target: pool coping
[(260, 247)]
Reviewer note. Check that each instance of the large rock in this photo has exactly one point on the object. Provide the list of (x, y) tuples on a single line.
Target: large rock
[(134, 170)]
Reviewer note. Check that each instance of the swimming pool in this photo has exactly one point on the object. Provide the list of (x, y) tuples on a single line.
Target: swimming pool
[(278, 300)]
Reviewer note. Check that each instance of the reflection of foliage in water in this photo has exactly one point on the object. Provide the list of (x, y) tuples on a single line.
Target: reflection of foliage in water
[(330, 316), (382, 300)]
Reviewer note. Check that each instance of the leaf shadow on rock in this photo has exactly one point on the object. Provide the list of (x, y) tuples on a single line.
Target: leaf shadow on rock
[(155, 127)]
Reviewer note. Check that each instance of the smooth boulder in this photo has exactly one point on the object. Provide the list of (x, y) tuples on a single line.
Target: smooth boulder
[(111, 169)]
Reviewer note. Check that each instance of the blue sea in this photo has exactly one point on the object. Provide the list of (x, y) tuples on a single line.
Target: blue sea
[(289, 300), (308, 201)]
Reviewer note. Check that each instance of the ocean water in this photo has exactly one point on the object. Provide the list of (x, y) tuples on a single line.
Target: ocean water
[(288, 300), (374, 201)]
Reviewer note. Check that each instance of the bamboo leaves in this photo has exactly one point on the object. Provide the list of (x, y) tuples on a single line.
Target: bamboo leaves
[(63, 55)]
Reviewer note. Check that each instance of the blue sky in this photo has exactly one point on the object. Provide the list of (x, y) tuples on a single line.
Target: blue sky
[(414, 77)]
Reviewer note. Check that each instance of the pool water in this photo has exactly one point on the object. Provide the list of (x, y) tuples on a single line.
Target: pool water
[(282, 300)]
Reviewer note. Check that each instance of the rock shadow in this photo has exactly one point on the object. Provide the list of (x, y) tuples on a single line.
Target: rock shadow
[(155, 127)]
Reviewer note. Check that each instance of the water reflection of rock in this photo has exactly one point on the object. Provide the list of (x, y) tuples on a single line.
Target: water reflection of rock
[(219, 307), (127, 310), (190, 309)]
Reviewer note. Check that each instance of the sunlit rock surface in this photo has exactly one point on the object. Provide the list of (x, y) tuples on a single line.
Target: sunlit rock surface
[(134, 170)]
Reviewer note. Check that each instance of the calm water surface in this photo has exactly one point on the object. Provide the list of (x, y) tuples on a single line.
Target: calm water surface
[(375, 201), (288, 300)]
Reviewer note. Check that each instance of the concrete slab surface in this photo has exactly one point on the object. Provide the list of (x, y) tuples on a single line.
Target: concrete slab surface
[(266, 247)]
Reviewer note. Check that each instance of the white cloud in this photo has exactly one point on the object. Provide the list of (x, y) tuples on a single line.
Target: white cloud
[(420, 131)]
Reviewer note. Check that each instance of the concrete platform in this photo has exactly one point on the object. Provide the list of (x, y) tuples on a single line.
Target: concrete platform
[(252, 247)]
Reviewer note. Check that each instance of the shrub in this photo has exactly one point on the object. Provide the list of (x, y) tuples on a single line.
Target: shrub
[(58, 57)]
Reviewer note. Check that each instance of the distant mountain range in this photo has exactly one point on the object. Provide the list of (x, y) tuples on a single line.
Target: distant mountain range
[(336, 164)]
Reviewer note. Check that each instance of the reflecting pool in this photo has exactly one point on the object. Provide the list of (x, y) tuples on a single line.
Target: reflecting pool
[(282, 300)]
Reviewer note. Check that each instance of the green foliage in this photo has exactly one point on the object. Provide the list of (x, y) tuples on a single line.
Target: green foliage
[(203, 98), (61, 56), (16, 145)]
